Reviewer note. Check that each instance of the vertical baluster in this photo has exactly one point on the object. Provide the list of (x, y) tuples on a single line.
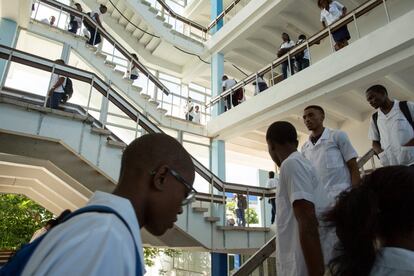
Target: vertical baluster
[(386, 11)]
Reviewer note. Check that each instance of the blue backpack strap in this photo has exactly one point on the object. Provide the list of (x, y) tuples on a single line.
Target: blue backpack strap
[(17, 263)]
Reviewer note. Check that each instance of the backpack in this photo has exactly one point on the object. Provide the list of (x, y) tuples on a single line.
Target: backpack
[(405, 111), (18, 262), (242, 202), (68, 91)]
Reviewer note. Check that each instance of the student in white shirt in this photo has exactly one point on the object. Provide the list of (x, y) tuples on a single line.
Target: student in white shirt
[(284, 48), (196, 114), (56, 91), (299, 202), (95, 36), (393, 139), (228, 84), (189, 109), (375, 225), (331, 153), (302, 59), (259, 85), (331, 11), (132, 71), (272, 183), (155, 183), (75, 21)]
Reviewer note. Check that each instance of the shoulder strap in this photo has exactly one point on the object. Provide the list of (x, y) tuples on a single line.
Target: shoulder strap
[(375, 119), (406, 111)]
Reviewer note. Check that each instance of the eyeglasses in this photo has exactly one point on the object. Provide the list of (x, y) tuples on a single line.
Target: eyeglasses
[(192, 192)]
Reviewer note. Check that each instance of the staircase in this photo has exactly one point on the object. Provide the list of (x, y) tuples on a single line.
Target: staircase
[(96, 59), (146, 17), (89, 154)]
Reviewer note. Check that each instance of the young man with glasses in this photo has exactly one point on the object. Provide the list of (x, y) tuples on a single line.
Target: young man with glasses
[(155, 182)]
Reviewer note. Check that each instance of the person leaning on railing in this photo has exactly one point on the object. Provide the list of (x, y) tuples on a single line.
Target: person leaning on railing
[(95, 36)]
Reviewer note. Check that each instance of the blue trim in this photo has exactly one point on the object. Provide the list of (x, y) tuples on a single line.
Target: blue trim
[(219, 264)]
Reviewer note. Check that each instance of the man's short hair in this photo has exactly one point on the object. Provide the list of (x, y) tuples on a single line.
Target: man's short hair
[(224, 77), (271, 174), (282, 133), (317, 107), (378, 88)]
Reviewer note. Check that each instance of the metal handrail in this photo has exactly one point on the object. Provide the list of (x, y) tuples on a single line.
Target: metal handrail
[(315, 39), (14, 55), (112, 40)]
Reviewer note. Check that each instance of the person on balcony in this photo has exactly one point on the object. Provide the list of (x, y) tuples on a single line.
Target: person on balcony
[(56, 91), (196, 114), (285, 47), (155, 182), (272, 183), (241, 206), (375, 225), (331, 153), (75, 21), (302, 58), (391, 128), (229, 99), (332, 11), (94, 35), (300, 200), (189, 110), (259, 85)]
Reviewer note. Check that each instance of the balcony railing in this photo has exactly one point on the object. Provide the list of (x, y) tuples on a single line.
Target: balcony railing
[(271, 71)]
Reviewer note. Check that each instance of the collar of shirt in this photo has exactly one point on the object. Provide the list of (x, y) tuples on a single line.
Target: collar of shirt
[(396, 258), (125, 209), (395, 108), (324, 136)]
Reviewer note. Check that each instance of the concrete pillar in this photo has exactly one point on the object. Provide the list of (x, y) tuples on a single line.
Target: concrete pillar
[(8, 37), (219, 261), (65, 53)]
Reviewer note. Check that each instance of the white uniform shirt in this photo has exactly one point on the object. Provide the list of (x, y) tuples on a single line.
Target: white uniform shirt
[(306, 51), (395, 131), (98, 13), (394, 261), (227, 84), (288, 44), (329, 156), (258, 80), (334, 13), (55, 78), (196, 117), (298, 181), (91, 243), (273, 183)]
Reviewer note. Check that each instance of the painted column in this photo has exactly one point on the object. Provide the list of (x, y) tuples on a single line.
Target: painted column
[(8, 37), (219, 261), (65, 53)]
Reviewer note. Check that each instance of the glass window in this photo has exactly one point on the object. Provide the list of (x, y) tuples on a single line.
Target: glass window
[(39, 46)]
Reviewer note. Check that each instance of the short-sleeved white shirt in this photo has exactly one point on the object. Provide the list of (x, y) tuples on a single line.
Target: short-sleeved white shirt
[(306, 51), (258, 80), (298, 181), (393, 261), (395, 131), (196, 117), (287, 44), (91, 243), (273, 183), (329, 156), (229, 83), (334, 13), (55, 78)]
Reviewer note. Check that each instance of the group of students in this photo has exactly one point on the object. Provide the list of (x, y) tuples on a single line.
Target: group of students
[(327, 218), (192, 113)]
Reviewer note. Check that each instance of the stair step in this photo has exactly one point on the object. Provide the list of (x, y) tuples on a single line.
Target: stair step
[(146, 3), (100, 55), (119, 72), (162, 110), (153, 10), (128, 80), (241, 228), (167, 25), (90, 47), (100, 131), (161, 18), (154, 102), (116, 144), (136, 89), (145, 96), (200, 209), (110, 64), (212, 219)]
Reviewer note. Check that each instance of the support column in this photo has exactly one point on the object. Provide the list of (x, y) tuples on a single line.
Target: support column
[(65, 53), (219, 261), (8, 37)]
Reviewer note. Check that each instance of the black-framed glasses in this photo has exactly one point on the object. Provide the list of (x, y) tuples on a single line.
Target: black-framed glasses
[(192, 192)]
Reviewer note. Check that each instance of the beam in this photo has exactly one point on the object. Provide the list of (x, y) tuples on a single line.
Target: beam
[(343, 111), (404, 86)]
